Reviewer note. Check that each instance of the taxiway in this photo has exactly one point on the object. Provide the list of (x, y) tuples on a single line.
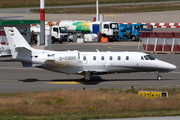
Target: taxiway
[(15, 78)]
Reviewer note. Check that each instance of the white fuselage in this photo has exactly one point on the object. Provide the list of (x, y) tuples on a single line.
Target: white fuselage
[(75, 62), (83, 63)]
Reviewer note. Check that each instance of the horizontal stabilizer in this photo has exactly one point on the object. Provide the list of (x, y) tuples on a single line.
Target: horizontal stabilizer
[(20, 49), (23, 53)]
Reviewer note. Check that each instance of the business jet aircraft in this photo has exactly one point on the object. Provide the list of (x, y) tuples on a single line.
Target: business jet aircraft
[(83, 63)]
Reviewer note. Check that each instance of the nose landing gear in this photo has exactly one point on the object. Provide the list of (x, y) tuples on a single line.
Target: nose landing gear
[(159, 77)]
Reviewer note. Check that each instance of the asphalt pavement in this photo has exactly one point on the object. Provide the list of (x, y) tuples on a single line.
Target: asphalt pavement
[(24, 10), (150, 17), (15, 78)]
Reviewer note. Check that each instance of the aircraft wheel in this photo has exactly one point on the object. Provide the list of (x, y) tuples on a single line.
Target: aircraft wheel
[(159, 78), (86, 80)]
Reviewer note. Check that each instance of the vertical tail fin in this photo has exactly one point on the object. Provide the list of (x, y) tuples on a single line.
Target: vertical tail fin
[(20, 49), (15, 38)]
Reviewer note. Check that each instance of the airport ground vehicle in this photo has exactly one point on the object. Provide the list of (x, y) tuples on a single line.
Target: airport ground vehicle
[(106, 28), (58, 34), (131, 31)]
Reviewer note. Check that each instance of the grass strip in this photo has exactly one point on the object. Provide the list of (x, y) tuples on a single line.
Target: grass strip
[(100, 103), (36, 3), (114, 9)]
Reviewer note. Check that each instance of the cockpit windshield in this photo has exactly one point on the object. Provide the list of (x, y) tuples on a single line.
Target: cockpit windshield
[(150, 57), (147, 57)]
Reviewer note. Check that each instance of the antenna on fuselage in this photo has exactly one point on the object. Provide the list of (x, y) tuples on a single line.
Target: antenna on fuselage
[(97, 50)]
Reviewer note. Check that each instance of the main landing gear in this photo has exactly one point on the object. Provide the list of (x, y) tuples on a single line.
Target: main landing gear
[(87, 76), (159, 77)]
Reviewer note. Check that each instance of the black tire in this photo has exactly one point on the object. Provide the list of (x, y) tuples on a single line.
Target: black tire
[(111, 40), (159, 77), (52, 40), (86, 80), (133, 38), (103, 35)]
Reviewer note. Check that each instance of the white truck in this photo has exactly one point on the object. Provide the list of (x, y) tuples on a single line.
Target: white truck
[(58, 34), (105, 28)]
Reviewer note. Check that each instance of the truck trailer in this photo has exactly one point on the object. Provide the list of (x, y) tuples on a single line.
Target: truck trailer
[(105, 28)]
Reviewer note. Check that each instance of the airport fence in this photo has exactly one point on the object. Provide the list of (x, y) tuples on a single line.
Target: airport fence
[(160, 41)]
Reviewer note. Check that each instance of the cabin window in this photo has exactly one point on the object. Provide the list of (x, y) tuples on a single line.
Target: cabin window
[(127, 57), (102, 58), (146, 57), (94, 58), (119, 58), (84, 58), (110, 58), (142, 58)]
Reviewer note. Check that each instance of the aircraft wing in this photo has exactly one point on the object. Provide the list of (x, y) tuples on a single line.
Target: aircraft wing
[(50, 60), (61, 64), (94, 72)]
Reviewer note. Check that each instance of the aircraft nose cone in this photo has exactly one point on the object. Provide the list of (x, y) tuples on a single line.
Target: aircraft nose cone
[(172, 67), (165, 66)]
